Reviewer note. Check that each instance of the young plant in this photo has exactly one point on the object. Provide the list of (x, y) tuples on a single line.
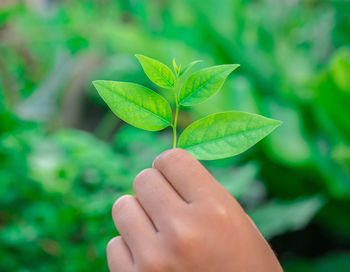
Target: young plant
[(216, 136)]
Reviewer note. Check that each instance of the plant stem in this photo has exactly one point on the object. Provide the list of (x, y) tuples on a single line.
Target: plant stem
[(176, 114), (175, 124)]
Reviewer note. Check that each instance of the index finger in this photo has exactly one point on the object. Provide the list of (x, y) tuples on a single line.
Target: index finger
[(187, 175)]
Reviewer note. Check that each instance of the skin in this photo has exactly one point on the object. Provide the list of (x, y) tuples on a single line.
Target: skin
[(183, 220)]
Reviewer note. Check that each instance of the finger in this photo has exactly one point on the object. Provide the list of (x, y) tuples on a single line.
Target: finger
[(157, 196), (119, 256), (133, 223), (189, 178)]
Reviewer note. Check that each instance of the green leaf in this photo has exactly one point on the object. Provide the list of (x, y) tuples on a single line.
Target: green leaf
[(238, 181), (157, 72), (176, 68), (204, 84), (277, 217), (225, 134), (340, 69), (135, 104), (189, 66)]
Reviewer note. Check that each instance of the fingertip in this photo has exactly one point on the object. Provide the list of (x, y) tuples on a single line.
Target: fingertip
[(184, 172), (111, 244), (119, 256), (169, 156), (120, 203), (142, 178)]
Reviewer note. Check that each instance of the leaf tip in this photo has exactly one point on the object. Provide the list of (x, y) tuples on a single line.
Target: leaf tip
[(139, 57), (95, 83), (278, 123), (234, 66)]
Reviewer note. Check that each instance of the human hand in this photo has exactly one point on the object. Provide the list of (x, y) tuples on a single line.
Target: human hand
[(183, 220)]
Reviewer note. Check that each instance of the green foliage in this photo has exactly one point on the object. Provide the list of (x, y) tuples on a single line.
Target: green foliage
[(135, 104), (215, 137), (157, 72), (203, 84), (329, 262), (225, 134), (277, 217), (177, 69), (57, 185), (188, 67)]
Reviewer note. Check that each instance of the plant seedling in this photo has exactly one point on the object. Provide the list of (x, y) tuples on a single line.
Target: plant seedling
[(216, 136)]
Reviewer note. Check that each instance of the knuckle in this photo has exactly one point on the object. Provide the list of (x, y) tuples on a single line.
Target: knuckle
[(154, 263), (184, 237), (121, 203), (219, 212), (141, 178)]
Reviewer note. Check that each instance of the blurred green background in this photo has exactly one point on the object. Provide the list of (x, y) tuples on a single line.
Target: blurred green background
[(64, 158)]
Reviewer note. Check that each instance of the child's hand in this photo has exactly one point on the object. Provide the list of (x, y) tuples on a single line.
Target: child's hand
[(183, 220)]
